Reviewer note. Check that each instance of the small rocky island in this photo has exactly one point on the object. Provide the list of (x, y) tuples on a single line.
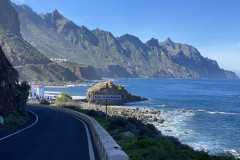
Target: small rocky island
[(109, 88)]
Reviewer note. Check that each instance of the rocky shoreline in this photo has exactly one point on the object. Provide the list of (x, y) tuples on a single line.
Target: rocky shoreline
[(146, 115)]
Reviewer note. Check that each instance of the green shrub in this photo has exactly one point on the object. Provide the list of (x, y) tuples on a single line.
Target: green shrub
[(63, 99), (10, 122), (126, 141), (117, 122), (91, 113), (44, 101)]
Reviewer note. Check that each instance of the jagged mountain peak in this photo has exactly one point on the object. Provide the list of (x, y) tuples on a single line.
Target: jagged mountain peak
[(130, 38), (56, 13), (152, 42), (99, 32), (168, 40), (22, 7), (84, 28)]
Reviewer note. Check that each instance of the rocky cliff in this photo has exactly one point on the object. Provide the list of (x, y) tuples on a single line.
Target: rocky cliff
[(9, 17), (126, 56), (32, 64), (8, 85), (109, 88), (17, 50), (83, 72)]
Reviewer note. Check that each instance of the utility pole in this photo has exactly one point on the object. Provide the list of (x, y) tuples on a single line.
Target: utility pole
[(106, 110)]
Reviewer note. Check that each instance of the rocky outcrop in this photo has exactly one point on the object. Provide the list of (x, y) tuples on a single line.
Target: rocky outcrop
[(8, 83), (109, 88)]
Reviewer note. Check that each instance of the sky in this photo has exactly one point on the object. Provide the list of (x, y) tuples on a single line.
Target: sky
[(212, 26)]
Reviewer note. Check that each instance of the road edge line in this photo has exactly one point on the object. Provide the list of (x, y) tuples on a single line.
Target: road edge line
[(23, 128), (90, 147)]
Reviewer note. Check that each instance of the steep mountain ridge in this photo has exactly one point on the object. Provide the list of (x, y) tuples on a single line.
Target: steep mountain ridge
[(125, 56), (32, 64), (189, 57), (18, 51), (9, 17)]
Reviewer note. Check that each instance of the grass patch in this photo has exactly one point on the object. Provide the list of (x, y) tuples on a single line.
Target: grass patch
[(13, 121)]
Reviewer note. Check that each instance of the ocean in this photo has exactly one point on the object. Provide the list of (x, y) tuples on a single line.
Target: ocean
[(203, 113)]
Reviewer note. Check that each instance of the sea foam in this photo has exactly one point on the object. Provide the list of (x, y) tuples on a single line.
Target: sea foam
[(215, 112)]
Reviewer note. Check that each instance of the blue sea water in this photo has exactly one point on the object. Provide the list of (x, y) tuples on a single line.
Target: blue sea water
[(211, 117)]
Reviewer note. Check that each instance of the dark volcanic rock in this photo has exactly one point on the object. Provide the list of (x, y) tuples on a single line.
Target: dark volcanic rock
[(109, 88), (8, 82)]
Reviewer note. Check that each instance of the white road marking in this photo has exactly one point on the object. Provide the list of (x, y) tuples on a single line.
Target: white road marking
[(90, 148), (22, 129)]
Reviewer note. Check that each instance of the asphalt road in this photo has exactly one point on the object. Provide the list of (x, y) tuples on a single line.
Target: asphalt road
[(56, 136)]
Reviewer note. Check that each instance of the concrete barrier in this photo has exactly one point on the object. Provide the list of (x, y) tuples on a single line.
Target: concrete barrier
[(107, 148)]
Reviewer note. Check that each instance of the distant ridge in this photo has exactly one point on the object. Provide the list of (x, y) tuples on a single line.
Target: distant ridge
[(122, 57)]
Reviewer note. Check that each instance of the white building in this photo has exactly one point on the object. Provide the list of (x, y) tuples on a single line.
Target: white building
[(36, 92), (58, 60)]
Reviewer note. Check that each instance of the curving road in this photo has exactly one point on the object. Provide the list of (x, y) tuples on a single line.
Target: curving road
[(55, 136)]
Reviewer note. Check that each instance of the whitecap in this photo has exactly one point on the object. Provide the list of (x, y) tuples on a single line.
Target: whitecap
[(163, 105), (215, 112), (235, 153)]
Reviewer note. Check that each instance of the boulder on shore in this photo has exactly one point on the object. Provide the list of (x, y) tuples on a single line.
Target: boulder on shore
[(109, 88)]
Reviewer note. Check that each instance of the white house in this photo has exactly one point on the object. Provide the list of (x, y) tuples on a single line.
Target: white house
[(58, 60), (36, 92)]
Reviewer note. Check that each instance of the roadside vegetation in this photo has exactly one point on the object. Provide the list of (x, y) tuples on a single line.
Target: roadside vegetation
[(63, 100), (142, 141), (16, 116), (13, 121)]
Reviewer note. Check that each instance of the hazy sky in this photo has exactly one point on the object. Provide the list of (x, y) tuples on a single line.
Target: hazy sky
[(212, 26)]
